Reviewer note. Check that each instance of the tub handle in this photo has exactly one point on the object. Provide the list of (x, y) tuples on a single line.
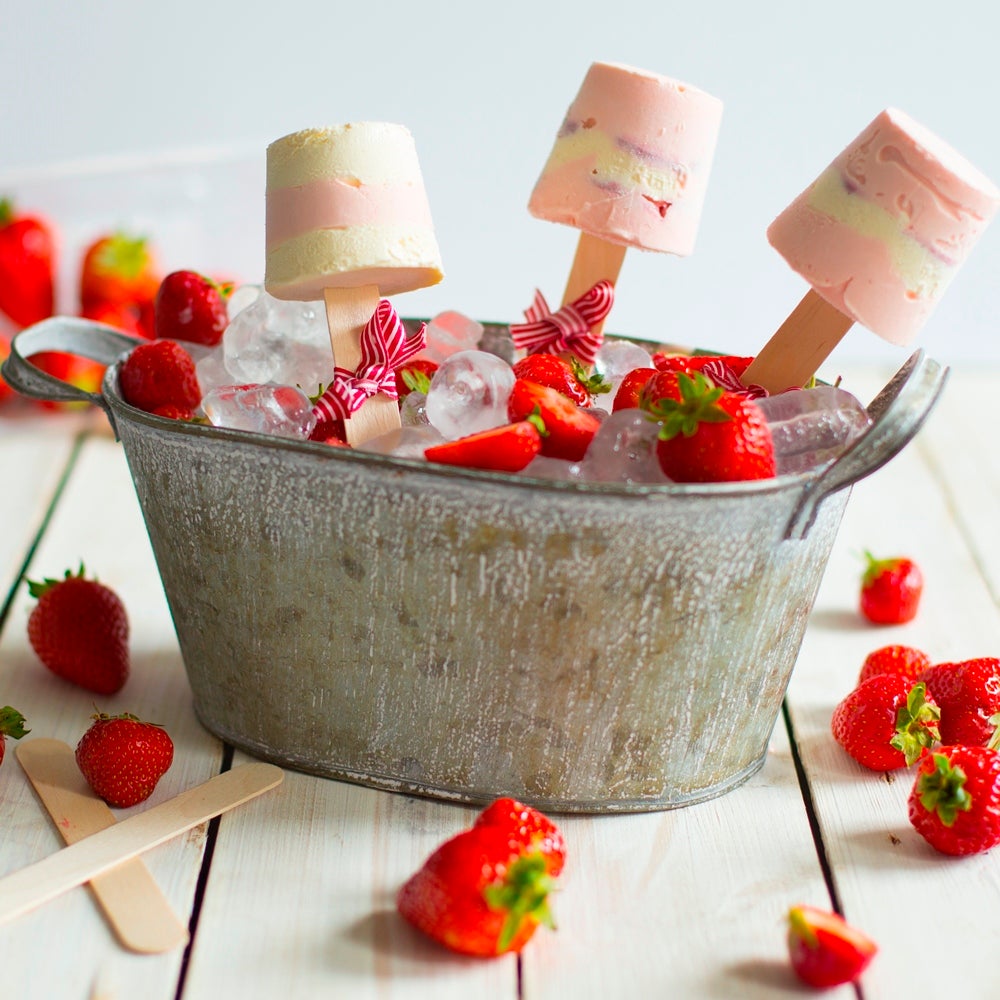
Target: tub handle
[(897, 413), (72, 335)]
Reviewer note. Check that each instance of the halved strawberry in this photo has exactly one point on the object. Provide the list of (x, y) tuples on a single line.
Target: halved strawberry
[(508, 448), (569, 428)]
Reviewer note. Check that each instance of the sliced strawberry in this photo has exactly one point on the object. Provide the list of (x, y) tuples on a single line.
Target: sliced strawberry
[(569, 429), (501, 449)]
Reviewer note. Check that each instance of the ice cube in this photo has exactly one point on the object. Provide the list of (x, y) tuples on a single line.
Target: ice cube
[(413, 410), (406, 442), (241, 297), (624, 451), (811, 427), (469, 393), (448, 333), (542, 467), (281, 410), (496, 339)]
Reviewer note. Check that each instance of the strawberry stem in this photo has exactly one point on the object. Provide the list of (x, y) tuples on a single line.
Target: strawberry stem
[(916, 725), (698, 404), (942, 790), (523, 893), (12, 723)]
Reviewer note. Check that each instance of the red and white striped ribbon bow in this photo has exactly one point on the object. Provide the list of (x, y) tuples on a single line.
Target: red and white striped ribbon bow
[(568, 330), (723, 375), (384, 348)]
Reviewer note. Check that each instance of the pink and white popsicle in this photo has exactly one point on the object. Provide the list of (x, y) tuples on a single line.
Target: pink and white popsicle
[(878, 236), (629, 168), (347, 220)]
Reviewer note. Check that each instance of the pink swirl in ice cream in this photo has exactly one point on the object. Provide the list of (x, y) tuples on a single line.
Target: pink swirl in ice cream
[(631, 161), (886, 226), (346, 207)]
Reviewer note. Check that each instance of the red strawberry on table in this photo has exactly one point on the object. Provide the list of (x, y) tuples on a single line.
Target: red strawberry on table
[(79, 630), (824, 949), (886, 722), (708, 434), (955, 801), (566, 375), (123, 758), (485, 891), (12, 725), (569, 429), (27, 266), (905, 661), (158, 375), (890, 590), (508, 448), (189, 306), (968, 694), (118, 269)]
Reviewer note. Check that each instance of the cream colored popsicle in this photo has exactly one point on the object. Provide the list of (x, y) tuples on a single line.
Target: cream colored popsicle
[(629, 168), (878, 236), (347, 221)]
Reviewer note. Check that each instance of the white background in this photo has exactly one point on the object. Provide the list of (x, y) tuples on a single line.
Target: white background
[(483, 88)]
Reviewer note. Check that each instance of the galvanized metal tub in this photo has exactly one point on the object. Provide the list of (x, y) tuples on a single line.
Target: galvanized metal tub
[(465, 635)]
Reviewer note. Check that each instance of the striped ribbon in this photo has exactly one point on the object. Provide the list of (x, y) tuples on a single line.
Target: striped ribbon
[(384, 348), (570, 330), (723, 376)]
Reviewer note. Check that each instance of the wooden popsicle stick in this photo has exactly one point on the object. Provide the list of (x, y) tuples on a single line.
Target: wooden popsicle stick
[(91, 857), (131, 900), (799, 346), (347, 312), (595, 259)]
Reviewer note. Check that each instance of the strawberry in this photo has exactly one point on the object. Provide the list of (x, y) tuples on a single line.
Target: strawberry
[(79, 630), (567, 376), (485, 891), (886, 722), (160, 374), (630, 389), (968, 694), (501, 449), (188, 306), (12, 725), (824, 949), (905, 661), (698, 362), (710, 435), (955, 801), (415, 376), (118, 269), (27, 266), (81, 372), (569, 429), (890, 590), (123, 758)]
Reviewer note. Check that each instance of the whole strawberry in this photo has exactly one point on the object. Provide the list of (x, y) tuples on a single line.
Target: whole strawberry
[(189, 306), (886, 722), (824, 949), (79, 630), (415, 376), (955, 801), (906, 661), (12, 725), (485, 891), (968, 694), (565, 375), (630, 389), (27, 266), (890, 590), (118, 269), (123, 758), (158, 375), (710, 435)]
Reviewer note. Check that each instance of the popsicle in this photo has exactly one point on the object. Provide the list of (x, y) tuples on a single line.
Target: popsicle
[(878, 236), (629, 168), (347, 221)]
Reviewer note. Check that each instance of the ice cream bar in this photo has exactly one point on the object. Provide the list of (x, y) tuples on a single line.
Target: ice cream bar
[(347, 221), (629, 168), (631, 161), (345, 207), (878, 236)]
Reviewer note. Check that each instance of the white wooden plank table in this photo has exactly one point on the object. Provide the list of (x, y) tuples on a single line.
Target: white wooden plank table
[(292, 894)]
